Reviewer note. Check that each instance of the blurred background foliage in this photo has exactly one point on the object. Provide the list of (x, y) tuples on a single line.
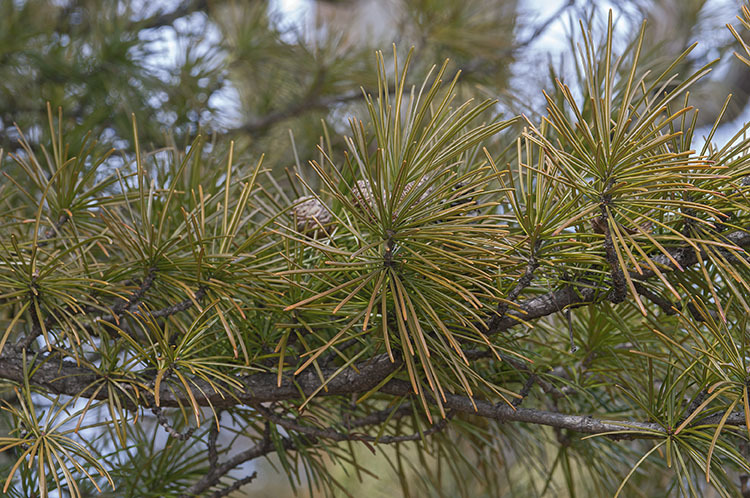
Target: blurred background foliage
[(279, 79), (251, 71)]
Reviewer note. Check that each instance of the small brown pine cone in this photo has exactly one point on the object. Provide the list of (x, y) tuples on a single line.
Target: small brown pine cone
[(363, 198), (416, 184), (311, 214)]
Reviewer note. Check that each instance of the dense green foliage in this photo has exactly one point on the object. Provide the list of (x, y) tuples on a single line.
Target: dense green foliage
[(535, 305)]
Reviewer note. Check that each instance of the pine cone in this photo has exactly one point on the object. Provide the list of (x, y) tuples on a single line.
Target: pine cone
[(362, 194), (363, 197), (311, 215)]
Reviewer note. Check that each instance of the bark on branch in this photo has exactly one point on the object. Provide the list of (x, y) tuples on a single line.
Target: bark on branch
[(69, 379)]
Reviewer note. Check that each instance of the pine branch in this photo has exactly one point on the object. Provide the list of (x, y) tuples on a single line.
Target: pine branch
[(308, 103), (585, 424), (334, 435), (262, 448), (235, 485), (168, 18), (587, 293), (68, 379), (263, 386)]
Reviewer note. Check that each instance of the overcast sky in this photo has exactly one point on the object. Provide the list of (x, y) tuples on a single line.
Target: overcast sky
[(552, 41), (554, 37)]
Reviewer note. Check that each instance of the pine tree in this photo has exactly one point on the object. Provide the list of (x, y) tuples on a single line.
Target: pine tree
[(376, 267)]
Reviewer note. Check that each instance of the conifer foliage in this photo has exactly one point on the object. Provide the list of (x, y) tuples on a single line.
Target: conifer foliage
[(492, 305)]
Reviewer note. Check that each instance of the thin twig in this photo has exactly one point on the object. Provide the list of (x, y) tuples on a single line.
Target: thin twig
[(135, 298), (263, 447), (235, 485), (618, 293), (330, 433), (381, 416), (213, 434), (666, 306), (54, 229), (524, 391), (523, 282), (543, 26), (181, 306), (164, 422)]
